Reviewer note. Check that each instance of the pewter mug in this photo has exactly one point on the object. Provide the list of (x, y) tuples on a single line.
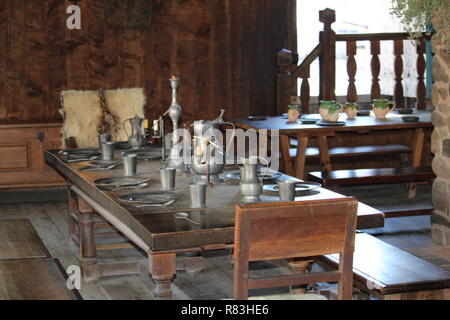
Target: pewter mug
[(129, 164), (107, 149), (167, 178), (102, 138), (198, 195), (286, 189)]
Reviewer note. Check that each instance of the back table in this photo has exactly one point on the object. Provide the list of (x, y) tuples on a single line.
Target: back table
[(156, 230), (361, 124)]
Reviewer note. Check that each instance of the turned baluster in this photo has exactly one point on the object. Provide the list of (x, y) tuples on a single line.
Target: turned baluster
[(421, 66), (327, 58), (285, 83), (304, 91), (352, 95), (398, 70), (375, 69)]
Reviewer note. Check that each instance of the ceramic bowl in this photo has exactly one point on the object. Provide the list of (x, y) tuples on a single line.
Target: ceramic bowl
[(410, 118)]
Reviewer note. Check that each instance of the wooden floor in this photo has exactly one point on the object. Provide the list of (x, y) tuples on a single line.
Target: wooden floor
[(215, 281)]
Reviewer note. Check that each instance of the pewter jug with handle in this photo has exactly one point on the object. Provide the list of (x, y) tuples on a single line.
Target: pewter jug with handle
[(137, 137)]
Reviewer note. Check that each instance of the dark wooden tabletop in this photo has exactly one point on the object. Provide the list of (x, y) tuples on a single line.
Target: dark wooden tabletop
[(360, 123), (159, 229)]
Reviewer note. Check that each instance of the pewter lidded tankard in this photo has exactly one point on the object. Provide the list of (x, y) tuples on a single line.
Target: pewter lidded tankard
[(208, 159)]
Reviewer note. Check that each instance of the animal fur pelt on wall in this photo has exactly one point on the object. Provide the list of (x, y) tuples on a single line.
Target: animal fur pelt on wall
[(88, 113), (82, 116), (124, 104)]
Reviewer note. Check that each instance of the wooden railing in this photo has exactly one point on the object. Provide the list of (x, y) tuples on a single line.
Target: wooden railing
[(325, 51)]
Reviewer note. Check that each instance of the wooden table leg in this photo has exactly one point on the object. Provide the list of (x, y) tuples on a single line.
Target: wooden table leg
[(88, 250), (72, 208), (324, 155), (162, 268), (302, 143), (285, 156), (416, 158)]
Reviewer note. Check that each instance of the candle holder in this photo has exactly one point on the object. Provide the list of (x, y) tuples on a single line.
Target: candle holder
[(175, 160)]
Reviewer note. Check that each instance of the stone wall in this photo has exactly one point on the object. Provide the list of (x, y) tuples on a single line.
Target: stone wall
[(440, 142)]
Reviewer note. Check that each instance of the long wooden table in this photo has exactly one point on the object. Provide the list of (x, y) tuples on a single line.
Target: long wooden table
[(361, 124), (156, 230)]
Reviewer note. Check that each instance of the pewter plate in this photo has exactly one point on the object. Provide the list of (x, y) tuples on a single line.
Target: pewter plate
[(299, 187), (236, 175), (120, 182), (147, 155), (309, 121), (155, 155), (114, 188), (154, 197), (410, 118), (123, 145), (102, 162), (330, 123), (83, 152)]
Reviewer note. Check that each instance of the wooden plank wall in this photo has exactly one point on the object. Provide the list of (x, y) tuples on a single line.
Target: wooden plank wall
[(223, 50)]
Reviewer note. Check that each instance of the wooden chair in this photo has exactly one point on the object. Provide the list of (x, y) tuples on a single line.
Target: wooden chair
[(294, 230)]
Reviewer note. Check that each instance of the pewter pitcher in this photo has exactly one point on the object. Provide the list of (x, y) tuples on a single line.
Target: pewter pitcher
[(137, 138)]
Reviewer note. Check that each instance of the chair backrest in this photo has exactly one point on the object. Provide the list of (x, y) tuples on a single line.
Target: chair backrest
[(124, 104), (82, 116), (272, 231)]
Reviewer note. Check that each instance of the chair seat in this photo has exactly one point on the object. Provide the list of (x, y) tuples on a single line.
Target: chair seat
[(305, 296)]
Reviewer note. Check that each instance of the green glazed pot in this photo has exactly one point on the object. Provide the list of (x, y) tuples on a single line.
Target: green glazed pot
[(329, 110), (383, 104), (351, 105), (381, 107)]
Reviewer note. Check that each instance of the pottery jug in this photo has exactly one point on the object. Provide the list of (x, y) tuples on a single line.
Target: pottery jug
[(329, 110), (351, 109), (381, 107), (293, 113)]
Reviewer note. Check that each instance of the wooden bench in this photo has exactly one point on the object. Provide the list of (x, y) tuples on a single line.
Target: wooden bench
[(372, 150), (27, 271), (386, 272), (372, 176)]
